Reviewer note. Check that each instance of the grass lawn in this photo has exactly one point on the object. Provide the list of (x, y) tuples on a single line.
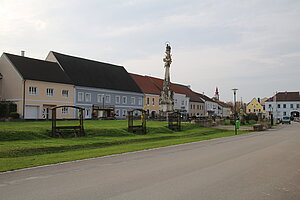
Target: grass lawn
[(28, 144)]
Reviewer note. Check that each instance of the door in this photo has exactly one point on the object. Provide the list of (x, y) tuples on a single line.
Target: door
[(31, 112)]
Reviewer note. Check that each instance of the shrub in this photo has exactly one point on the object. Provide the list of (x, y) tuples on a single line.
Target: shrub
[(14, 115)]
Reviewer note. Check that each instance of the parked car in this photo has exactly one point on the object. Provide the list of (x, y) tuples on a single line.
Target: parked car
[(286, 120)]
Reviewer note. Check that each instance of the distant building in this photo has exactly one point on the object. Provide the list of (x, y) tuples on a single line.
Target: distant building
[(255, 106), (284, 104)]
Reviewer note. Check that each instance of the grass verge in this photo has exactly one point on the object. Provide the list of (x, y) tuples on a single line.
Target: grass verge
[(34, 147)]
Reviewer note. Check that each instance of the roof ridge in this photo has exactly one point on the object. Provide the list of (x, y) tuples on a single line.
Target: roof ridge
[(86, 59)]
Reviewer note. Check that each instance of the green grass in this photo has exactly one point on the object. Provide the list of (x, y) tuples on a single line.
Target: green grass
[(28, 144)]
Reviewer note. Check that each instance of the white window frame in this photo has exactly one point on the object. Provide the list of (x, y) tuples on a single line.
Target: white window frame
[(124, 113), (107, 98), (80, 96), (64, 110), (48, 93), (118, 112), (88, 97), (65, 93), (32, 90), (100, 98), (132, 100), (124, 99), (140, 101), (117, 99)]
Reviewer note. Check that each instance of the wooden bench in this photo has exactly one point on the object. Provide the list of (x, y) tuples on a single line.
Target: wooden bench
[(74, 129)]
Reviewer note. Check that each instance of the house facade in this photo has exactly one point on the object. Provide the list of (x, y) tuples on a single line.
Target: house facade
[(254, 106), (103, 89), (35, 86), (283, 104), (151, 94)]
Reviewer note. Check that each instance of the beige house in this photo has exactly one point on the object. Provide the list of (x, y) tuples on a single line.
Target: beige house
[(151, 94), (35, 86)]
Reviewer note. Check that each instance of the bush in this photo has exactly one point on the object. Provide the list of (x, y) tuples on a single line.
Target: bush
[(6, 108), (14, 115)]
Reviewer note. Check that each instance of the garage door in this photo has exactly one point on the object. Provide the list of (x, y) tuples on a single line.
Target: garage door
[(31, 112)]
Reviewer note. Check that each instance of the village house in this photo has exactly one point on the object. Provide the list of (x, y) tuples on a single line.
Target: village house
[(104, 90), (35, 86), (284, 104)]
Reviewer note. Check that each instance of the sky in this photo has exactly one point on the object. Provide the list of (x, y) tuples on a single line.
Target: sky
[(251, 45)]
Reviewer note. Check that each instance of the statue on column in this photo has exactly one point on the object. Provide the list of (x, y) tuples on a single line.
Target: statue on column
[(166, 100)]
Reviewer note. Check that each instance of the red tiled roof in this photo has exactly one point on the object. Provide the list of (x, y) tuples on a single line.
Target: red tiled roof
[(286, 96), (145, 84), (190, 93)]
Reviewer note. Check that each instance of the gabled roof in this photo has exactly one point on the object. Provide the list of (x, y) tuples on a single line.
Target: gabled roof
[(90, 73), (205, 98), (285, 96), (39, 70), (190, 93), (223, 104), (145, 84), (159, 83)]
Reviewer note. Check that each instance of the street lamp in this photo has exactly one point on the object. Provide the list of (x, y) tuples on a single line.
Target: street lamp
[(234, 94)]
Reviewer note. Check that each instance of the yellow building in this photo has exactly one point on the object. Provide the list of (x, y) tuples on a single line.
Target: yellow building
[(35, 86), (151, 94), (254, 106)]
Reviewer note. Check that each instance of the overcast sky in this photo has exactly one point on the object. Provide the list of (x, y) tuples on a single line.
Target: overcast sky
[(252, 45)]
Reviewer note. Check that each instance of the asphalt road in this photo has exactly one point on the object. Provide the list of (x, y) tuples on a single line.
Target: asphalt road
[(264, 165)]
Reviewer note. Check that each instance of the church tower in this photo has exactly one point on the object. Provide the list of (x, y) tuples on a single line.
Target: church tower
[(217, 96), (166, 100)]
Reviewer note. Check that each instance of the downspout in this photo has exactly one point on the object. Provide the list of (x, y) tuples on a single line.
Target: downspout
[(24, 99)]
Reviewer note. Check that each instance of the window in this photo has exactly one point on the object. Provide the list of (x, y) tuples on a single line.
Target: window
[(298, 105), (124, 100), (65, 110), (124, 113), (50, 92), (88, 97), (278, 106), (254, 110), (284, 105), (100, 98), (153, 102), (80, 96), (292, 105), (140, 101), (148, 100), (32, 90), (191, 106), (198, 107), (270, 105), (132, 100), (117, 112), (117, 99), (65, 93), (182, 103), (258, 110), (249, 110), (284, 113), (194, 106), (107, 98)]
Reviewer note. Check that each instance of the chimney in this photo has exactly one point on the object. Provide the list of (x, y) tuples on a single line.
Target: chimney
[(23, 53)]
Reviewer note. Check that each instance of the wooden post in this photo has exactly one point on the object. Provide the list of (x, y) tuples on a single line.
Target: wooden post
[(53, 122)]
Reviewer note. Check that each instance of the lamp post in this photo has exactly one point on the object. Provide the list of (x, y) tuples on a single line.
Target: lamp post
[(234, 95)]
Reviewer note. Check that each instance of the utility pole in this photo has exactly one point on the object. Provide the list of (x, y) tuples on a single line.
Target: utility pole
[(234, 95)]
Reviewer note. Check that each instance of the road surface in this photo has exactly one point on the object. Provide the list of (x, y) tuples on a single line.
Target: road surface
[(261, 165)]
